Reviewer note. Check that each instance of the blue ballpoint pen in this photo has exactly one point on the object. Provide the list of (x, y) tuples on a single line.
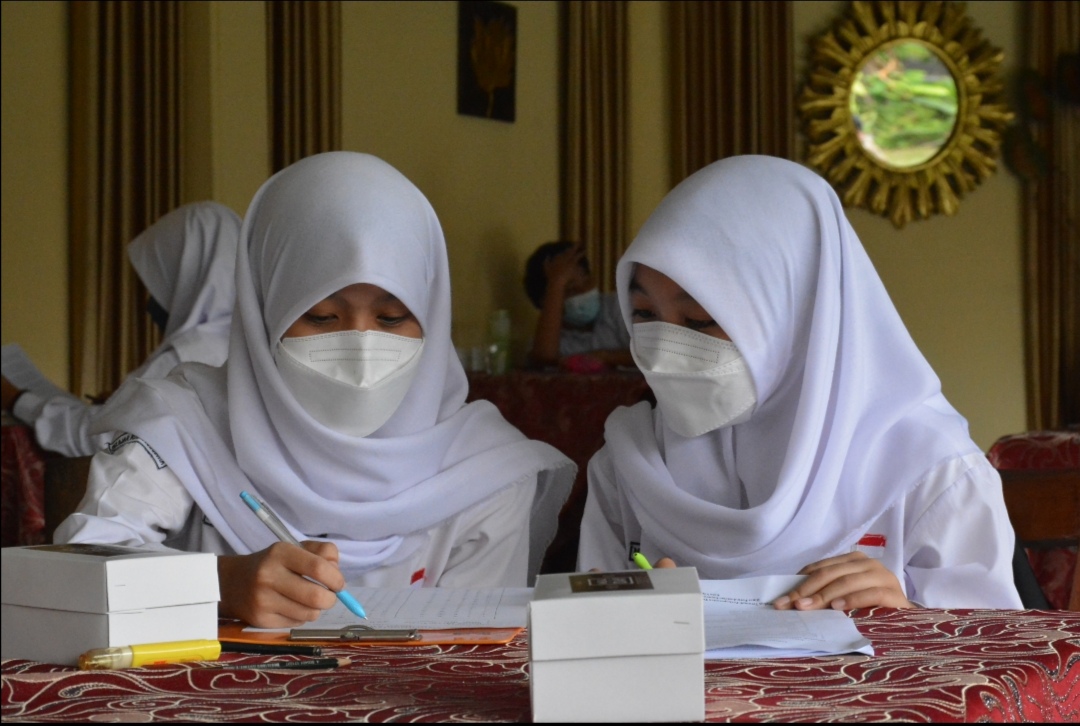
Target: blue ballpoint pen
[(263, 512)]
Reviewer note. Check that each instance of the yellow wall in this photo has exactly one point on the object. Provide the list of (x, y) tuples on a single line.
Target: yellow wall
[(494, 185), (240, 105), (226, 149), (34, 217), (956, 281), (649, 111), (227, 127)]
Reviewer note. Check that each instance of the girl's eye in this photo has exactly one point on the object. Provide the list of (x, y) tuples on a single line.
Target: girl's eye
[(699, 324), (318, 319), (392, 320), (642, 314)]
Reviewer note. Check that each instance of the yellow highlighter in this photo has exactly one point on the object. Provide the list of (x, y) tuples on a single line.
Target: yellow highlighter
[(133, 656), (641, 561)]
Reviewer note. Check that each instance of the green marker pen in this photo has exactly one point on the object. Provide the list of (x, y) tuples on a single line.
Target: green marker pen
[(640, 561)]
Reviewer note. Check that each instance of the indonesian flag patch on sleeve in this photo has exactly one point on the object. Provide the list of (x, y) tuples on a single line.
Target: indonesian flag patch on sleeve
[(872, 545)]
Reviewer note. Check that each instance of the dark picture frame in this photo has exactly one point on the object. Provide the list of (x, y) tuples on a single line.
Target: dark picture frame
[(487, 59)]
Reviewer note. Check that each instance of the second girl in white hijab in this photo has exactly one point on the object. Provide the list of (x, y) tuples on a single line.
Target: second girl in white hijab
[(342, 406), (798, 428), (186, 261)]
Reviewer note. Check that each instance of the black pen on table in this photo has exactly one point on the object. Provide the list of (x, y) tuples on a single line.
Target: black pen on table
[(290, 665), (269, 648)]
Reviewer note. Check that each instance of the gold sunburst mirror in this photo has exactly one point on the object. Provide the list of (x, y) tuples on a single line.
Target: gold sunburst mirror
[(901, 110)]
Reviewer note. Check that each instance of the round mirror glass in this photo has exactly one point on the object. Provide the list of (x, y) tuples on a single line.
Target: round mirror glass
[(904, 104)]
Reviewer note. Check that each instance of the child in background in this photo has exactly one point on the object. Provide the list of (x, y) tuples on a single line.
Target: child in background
[(798, 429), (186, 261), (576, 321), (342, 406)]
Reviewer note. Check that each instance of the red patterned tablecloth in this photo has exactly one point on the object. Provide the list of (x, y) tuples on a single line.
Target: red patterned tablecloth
[(22, 488), (931, 665)]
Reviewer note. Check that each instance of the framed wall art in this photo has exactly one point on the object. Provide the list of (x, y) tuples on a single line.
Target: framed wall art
[(487, 59)]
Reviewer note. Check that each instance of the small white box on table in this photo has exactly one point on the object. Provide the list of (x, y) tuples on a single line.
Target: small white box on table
[(617, 646), (58, 601)]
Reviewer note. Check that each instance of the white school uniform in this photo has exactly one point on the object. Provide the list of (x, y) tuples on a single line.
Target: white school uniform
[(949, 537), (62, 423), (850, 440), (133, 498)]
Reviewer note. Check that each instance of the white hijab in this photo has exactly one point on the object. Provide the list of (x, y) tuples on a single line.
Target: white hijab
[(326, 222), (850, 416), (187, 261)]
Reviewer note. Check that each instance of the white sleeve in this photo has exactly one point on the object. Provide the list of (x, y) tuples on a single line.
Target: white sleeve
[(602, 544), (958, 553), (491, 549), (61, 423), (132, 498)]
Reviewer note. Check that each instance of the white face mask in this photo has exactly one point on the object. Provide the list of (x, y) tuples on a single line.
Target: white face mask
[(351, 382), (701, 383)]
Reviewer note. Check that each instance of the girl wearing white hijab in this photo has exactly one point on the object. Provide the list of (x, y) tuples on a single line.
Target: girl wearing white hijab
[(186, 261), (342, 406), (798, 429)]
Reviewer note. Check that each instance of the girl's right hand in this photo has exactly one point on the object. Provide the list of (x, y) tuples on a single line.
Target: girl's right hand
[(267, 589), (665, 562)]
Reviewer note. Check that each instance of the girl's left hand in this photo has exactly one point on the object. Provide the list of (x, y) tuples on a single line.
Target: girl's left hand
[(845, 582)]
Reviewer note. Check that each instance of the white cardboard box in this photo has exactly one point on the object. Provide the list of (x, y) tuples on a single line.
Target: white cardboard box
[(58, 601), (617, 646)]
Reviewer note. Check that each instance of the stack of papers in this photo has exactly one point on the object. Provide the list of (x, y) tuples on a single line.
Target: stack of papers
[(740, 622)]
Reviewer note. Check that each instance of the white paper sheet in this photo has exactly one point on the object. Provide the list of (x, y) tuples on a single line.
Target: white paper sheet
[(431, 608), (739, 620), (741, 623), (17, 367)]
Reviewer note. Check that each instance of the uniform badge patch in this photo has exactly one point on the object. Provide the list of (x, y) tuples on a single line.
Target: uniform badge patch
[(125, 439)]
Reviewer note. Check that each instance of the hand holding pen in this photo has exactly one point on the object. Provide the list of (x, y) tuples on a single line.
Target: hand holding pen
[(663, 563), (281, 586), (280, 531)]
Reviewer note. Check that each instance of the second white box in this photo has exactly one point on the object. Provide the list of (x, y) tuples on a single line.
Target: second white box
[(617, 647)]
